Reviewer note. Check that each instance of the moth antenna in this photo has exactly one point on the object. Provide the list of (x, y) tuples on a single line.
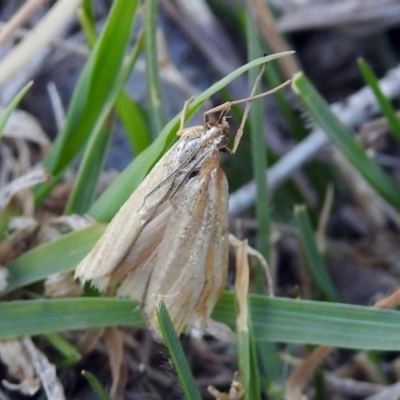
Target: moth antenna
[(251, 98), (239, 133)]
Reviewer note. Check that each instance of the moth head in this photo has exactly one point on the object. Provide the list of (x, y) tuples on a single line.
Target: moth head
[(218, 129)]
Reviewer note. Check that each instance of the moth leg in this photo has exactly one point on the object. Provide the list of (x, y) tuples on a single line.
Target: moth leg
[(223, 108), (226, 150), (183, 115)]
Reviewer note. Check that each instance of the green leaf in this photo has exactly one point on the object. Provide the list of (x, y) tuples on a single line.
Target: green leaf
[(36, 317), (131, 117), (315, 261), (85, 184), (316, 322), (86, 181), (152, 68), (248, 363), (70, 353), (96, 385), (270, 363), (60, 255), (342, 138), (177, 355), (97, 82), (274, 320), (88, 8), (129, 113), (112, 199), (386, 106), (12, 106)]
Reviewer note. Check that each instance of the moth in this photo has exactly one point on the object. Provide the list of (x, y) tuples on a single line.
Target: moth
[(169, 241)]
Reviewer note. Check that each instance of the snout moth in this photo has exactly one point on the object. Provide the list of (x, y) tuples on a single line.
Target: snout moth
[(169, 241)]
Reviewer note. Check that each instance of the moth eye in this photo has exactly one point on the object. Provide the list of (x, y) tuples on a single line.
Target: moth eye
[(193, 174)]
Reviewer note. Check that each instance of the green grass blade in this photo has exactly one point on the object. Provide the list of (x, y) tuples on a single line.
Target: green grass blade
[(129, 113), (86, 181), (88, 25), (60, 255), (36, 317), (269, 360), (274, 319), (131, 117), (386, 106), (315, 262), (69, 352), (88, 8), (177, 355), (258, 152), (152, 68), (97, 81), (316, 322), (112, 199), (96, 385), (341, 136), (12, 106)]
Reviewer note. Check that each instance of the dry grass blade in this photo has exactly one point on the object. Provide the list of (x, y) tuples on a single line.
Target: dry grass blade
[(114, 344), (28, 180), (236, 391), (19, 365), (266, 22), (54, 21), (242, 286), (23, 125), (297, 379), (23, 14), (44, 370), (235, 242)]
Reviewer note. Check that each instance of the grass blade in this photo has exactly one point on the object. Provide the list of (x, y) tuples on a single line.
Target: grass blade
[(177, 355), (13, 105), (96, 385), (269, 360), (341, 136), (69, 352), (86, 181), (60, 255), (386, 107), (152, 68), (36, 317), (97, 81), (274, 319), (247, 358), (315, 261), (85, 184)]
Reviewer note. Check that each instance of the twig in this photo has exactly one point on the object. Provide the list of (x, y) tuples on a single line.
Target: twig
[(391, 392), (369, 15)]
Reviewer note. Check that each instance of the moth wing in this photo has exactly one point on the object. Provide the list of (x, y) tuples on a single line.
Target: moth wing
[(216, 269), (123, 230), (136, 266), (184, 275)]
